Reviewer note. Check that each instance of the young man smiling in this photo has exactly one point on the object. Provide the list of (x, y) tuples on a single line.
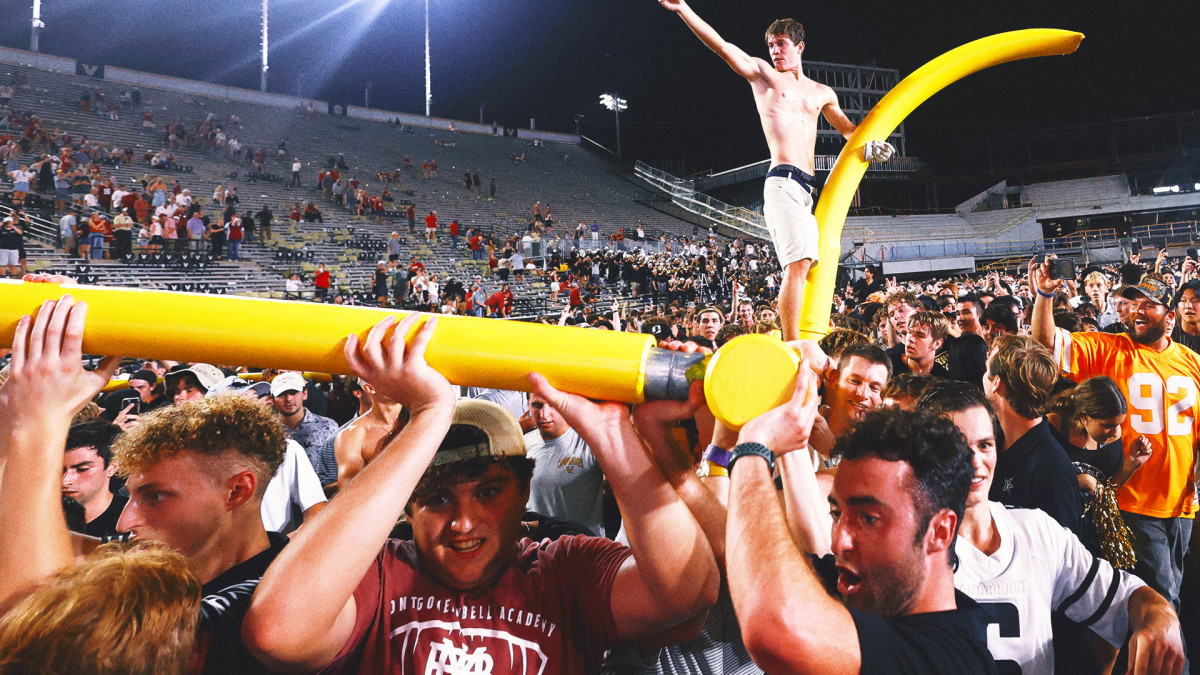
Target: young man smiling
[(788, 107), (469, 594)]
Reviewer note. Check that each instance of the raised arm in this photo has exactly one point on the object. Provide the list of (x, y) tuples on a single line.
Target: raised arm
[(46, 387), (1042, 324), (304, 611), (742, 63), (671, 575), (654, 422), (789, 623)]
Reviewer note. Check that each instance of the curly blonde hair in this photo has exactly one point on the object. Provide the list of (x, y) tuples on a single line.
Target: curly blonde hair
[(227, 428)]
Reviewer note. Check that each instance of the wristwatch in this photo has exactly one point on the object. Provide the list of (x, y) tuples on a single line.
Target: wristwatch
[(743, 449)]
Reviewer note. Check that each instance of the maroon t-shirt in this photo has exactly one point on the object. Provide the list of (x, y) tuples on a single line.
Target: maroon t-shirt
[(549, 612)]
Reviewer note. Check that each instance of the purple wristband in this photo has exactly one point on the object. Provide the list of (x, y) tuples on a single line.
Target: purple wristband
[(716, 455)]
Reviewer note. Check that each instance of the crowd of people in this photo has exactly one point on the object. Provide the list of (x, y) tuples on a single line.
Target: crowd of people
[(986, 473), (958, 453)]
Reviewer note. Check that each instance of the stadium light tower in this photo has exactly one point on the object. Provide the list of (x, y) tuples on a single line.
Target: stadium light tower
[(262, 82), (616, 105), (428, 87), (37, 25)]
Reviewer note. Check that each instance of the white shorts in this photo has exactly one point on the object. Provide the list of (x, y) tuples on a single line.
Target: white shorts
[(9, 257), (787, 207)]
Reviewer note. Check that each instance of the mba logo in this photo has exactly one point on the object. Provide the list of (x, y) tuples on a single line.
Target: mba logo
[(447, 658), (446, 648)]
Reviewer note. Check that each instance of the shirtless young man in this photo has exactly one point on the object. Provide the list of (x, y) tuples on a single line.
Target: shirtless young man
[(365, 437), (788, 104)]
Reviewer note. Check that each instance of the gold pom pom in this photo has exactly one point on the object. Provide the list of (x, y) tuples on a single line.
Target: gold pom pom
[(1110, 528)]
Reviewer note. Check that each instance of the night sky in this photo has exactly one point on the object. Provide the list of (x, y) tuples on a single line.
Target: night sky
[(550, 60)]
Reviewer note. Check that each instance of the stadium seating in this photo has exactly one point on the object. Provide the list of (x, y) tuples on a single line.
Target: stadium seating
[(574, 184)]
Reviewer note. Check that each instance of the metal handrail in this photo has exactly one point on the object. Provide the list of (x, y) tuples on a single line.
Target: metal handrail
[(684, 195), (38, 229)]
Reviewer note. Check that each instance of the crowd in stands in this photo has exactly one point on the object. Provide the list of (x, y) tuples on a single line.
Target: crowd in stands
[(100, 217), (999, 448)]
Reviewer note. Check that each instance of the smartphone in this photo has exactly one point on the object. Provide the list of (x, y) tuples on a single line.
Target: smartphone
[(1193, 254), (1062, 268)]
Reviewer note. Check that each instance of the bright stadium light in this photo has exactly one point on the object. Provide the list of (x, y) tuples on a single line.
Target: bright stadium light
[(1174, 188), (616, 105), (1162, 189)]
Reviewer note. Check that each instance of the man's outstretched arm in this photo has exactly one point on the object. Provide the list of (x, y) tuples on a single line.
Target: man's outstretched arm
[(1156, 645), (304, 611), (742, 63), (789, 623)]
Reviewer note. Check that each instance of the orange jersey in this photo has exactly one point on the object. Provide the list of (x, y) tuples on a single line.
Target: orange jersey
[(1164, 406)]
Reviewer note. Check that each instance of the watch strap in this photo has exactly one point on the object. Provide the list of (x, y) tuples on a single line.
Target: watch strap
[(752, 449)]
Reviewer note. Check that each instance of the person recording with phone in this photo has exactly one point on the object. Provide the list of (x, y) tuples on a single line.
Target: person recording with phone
[(124, 407)]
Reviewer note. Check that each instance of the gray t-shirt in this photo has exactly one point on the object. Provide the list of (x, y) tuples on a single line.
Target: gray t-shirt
[(567, 481)]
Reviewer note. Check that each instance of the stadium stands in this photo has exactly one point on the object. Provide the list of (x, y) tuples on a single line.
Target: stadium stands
[(574, 184)]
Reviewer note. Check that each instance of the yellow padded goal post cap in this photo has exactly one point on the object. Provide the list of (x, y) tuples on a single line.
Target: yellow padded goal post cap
[(749, 376)]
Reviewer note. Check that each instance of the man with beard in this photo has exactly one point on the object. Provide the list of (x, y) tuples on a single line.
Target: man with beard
[(897, 499), (1159, 379)]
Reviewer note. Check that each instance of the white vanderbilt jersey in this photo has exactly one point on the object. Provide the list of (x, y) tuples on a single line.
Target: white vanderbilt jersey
[(1039, 567)]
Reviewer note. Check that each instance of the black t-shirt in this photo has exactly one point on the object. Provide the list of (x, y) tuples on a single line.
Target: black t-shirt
[(863, 290), (966, 357), (900, 366), (9, 237), (1184, 338), (953, 642), (224, 602), (104, 526), (1035, 473), (1102, 463)]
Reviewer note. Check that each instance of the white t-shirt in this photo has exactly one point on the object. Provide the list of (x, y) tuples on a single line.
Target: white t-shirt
[(1039, 567), (294, 489)]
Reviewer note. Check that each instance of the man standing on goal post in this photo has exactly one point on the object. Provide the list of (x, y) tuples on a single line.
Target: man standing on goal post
[(788, 105)]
